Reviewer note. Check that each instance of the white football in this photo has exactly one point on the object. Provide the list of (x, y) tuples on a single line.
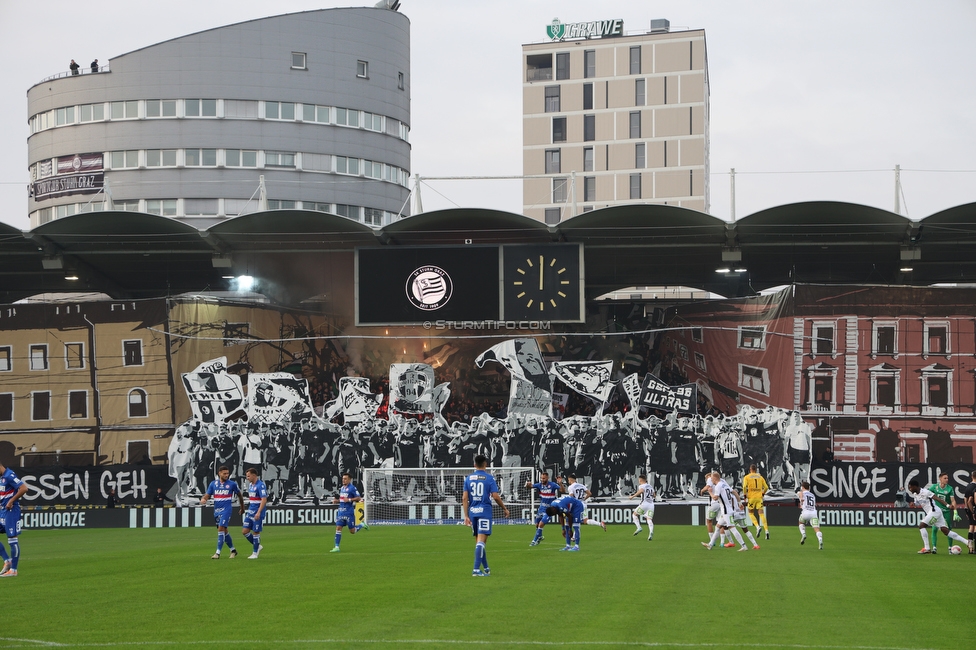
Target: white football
[(955, 550)]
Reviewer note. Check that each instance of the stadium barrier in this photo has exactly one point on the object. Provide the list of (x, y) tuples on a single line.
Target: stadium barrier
[(612, 513)]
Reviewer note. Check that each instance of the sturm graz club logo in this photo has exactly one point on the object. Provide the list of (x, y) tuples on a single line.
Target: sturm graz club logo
[(429, 288), (556, 30)]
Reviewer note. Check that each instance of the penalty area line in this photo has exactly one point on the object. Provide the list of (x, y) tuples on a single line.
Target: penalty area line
[(34, 643)]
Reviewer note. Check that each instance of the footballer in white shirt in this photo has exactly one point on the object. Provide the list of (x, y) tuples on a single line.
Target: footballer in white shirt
[(925, 499)]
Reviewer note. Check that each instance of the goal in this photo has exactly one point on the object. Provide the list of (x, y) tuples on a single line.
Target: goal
[(433, 495)]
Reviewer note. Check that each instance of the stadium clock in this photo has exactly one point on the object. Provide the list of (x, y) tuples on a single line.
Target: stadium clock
[(543, 282)]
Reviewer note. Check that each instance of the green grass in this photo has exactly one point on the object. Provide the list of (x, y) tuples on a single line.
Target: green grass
[(867, 588)]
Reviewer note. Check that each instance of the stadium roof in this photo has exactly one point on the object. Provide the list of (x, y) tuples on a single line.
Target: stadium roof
[(302, 253)]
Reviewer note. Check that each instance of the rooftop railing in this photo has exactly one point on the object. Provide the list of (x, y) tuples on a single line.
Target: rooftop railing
[(81, 71)]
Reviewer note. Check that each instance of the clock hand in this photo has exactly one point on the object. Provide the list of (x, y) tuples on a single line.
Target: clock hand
[(541, 271)]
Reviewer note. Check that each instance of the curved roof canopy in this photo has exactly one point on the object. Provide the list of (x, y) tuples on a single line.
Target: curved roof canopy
[(302, 253)]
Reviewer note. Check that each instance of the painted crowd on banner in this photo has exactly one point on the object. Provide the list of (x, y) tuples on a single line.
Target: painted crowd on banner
[(302, 451)]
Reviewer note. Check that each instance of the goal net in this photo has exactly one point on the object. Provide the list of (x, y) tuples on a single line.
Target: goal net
[(433, 496)]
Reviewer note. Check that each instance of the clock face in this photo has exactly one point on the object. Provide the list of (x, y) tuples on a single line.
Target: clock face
[(542, 282)]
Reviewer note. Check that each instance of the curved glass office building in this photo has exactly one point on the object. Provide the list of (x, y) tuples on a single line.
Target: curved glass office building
[(307, 110)]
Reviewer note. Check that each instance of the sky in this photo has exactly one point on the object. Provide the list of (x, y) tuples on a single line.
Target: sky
[(808, 100)]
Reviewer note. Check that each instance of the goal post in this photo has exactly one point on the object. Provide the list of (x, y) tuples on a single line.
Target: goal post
[(433, 495)]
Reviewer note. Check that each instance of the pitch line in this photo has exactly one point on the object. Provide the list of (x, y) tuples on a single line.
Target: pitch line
[(34, 643)]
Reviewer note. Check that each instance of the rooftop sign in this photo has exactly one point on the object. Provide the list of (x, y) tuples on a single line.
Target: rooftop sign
[(559, 31)]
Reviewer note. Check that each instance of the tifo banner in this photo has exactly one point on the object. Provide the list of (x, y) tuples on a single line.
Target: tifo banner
[(632, 389), (411, 388), (358, 401), (658, 395), (133, 484), (522, 358), (590, 378), (880, 482), (214, 394), (276, 397), (528, 399)]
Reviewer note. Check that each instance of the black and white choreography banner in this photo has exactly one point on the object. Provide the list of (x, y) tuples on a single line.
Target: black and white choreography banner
[(531, 390), (852, 482), (590, 378), (656, 394), (214, 393)]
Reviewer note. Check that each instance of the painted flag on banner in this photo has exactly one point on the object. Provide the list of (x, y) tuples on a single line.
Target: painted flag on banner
[(656, 394), (274, 396), (411, 388), (439, 399), (522, 358), (590, 378), (213, 393), (358, 401), (559, 403), (632, 389), (526, 398)]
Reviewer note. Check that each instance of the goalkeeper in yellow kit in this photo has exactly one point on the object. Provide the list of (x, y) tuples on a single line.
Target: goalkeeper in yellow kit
[(754, 486)]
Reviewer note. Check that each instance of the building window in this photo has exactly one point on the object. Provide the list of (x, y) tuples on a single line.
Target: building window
[(132, 352), (700, 361), (362, 69), (552, 99), (640, 92), (74, 356), (373, 122), (200, 107), (6, 407), (552, 216), (77, 404), (823, 339), (200, 207), (279, 110), (754, 379), (937, 390), (347, 165), (560, 189), (280, 204), (64, 115), (125, 159), (559, 129), (400, 81), (589, 128), (884, 339), (347, 117), (40, 405), (640, 155), (587, 97), (201, 157), (587, 159), (96, 112), (279, 159), (635, 186), (38, 357), (131, 205), (347, 211), (6, 359), (160, 108), (138, 406), (562, 66), (538, 67), (935, 338), (752, 338), (589, 64), (635, 60), (241, 158), (125, 110), (161, 207), (298, 61), (589, 188), (245, 109), (697, 334), (161, 157), (372, 217), (635, 124), (553, 165), (885, 389)]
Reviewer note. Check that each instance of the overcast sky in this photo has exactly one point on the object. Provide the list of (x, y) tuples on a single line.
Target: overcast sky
[(809, 100)]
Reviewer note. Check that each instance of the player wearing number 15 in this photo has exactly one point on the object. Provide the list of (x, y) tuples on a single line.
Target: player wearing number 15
[(480, 490), (346, 515)]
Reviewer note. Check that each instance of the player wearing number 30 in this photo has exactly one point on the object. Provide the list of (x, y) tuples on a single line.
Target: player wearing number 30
[(480, 489)]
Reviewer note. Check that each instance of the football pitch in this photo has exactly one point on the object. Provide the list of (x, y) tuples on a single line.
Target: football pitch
[(411, 587)]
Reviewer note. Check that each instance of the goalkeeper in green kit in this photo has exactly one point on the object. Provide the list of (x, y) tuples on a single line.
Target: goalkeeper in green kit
[(948, 494)]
